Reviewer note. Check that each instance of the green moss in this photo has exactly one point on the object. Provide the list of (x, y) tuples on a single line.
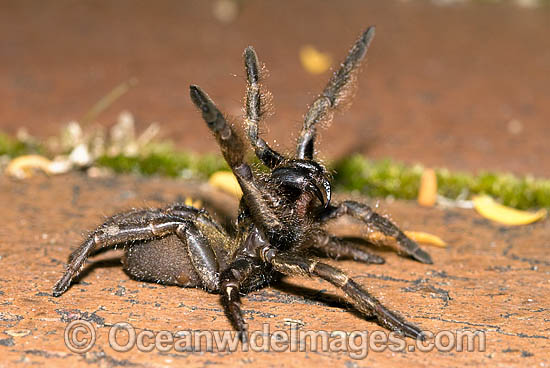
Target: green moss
[(13, 147), (387, 178), (172, 164), (376, 178), (380, 178), (519, 192)]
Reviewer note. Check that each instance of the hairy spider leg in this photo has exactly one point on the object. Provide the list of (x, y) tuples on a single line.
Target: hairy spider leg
[(230, 143), (147, 225), (394, 236), (338, 248), (365, 303), (335, 94), (255, 102), (231, 281), (257, 200), (233, 150)]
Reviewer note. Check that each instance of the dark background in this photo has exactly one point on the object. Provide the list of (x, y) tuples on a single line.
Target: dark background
[(465, 86)]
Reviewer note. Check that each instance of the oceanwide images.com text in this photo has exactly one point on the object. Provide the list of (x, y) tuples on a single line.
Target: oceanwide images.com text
[(80, 337)]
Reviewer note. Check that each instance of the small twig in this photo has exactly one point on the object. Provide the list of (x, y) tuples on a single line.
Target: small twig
[(108, 100)]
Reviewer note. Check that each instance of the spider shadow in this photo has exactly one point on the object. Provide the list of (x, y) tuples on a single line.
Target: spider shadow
[(380, 250), (308, 295), (111, 262), (319, 297)]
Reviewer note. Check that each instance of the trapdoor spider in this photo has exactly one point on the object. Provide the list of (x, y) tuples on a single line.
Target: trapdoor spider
[(280, 218)]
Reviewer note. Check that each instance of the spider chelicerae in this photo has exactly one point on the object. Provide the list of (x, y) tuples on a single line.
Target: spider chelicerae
[(280, 221)]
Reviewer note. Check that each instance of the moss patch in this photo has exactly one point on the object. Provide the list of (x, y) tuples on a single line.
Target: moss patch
[(387, 178), (12, 147), (381, 178), (173, 164)]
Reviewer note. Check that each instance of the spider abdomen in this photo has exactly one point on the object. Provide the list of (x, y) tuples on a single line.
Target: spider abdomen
[(163, 260)]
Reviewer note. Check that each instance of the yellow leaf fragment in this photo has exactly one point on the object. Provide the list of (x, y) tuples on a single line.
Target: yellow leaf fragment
[(227, 182), (378, 237), (426, 238), (190, 202), (18, 333), (313, 61), (22, 167), (427, 193), (488, 208)]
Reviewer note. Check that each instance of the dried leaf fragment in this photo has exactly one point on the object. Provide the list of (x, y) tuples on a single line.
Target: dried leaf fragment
[(193, 203), (490, 209), (426, 238), (22, 167), (377, 237), (18, 333), (427, 193), (227, 182), (313, 61)]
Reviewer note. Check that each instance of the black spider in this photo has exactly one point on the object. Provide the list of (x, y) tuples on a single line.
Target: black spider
[(280, 217)]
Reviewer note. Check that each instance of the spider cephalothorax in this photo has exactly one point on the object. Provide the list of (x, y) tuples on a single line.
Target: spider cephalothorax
[(280, 221)]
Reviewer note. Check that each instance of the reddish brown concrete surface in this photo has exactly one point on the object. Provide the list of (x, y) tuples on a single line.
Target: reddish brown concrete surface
[(491, 278), (442, 85)]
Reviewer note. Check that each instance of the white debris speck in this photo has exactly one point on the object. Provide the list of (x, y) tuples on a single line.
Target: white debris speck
[(60, 165), (81, 156), (515, 127)]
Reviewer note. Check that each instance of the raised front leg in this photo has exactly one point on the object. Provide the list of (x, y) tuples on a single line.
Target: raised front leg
[(334, 95), (230, 143), (259, 201), (255, 106), (393, 236)]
